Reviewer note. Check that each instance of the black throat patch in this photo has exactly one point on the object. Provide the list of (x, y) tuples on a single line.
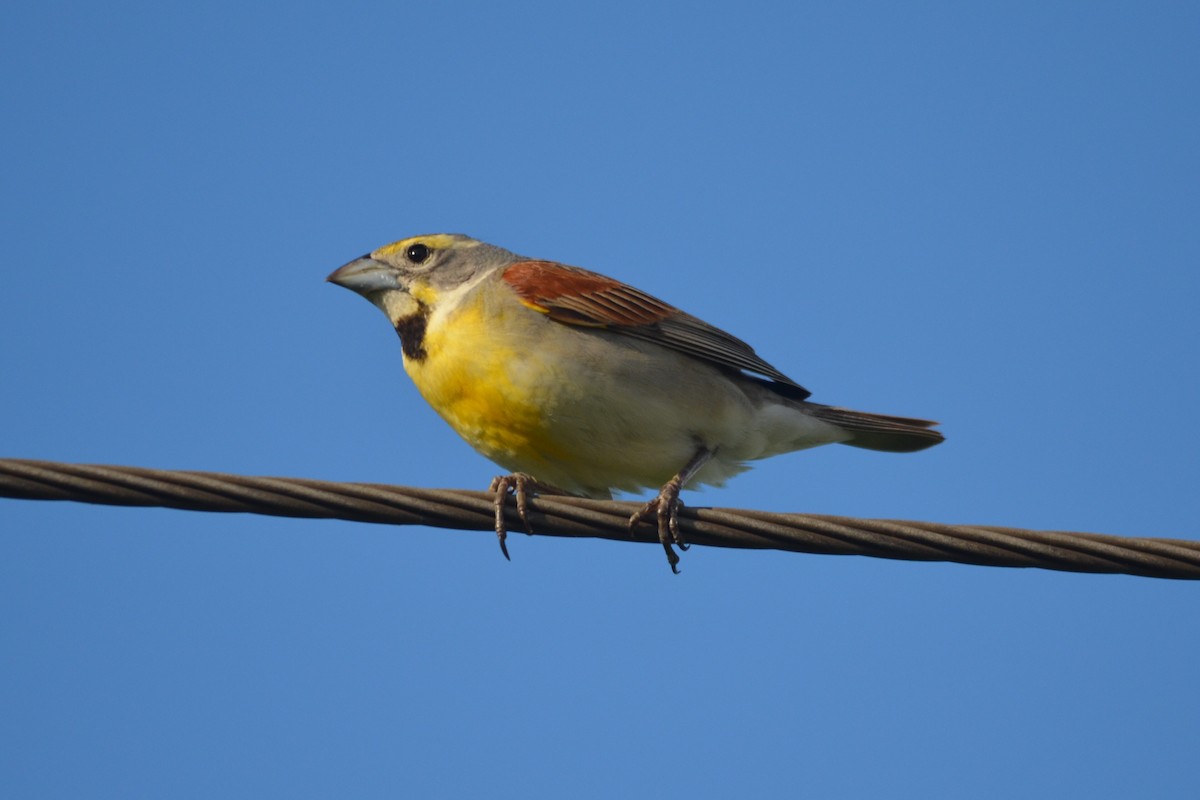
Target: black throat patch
[(412, 334)]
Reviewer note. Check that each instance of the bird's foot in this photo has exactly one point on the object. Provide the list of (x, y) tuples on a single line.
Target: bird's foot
[(521, 486), (664, 510)]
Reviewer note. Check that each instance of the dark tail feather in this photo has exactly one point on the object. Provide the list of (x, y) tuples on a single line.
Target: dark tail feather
[(879, 431)]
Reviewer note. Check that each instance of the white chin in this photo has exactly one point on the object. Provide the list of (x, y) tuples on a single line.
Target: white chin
[(396, 303)]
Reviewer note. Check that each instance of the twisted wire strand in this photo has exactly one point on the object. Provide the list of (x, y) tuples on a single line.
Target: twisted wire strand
[(570, 516)]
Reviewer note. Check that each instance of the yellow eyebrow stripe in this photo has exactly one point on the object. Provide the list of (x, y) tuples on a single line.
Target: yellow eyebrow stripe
[(437, 241)]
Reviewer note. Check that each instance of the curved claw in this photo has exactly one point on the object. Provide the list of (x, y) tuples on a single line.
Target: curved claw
[(664, 510), (520, 486)]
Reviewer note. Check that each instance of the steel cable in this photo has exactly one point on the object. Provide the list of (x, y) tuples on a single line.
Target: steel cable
[(569, 516)]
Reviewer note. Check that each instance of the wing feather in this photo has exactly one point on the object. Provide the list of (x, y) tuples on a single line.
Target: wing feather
[(576, 296)]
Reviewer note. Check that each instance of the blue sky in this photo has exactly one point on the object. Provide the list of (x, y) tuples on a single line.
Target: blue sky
[(982, 216)]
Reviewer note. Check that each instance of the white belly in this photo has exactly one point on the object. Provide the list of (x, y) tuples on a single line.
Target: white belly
[(628, 415)]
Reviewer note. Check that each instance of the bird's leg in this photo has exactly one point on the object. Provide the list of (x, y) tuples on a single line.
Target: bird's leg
[(521, 486), (665, 507)]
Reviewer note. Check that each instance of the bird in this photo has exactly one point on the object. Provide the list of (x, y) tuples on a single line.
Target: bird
[(579, 384)]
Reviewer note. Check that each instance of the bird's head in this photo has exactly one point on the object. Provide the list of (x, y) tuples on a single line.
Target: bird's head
[(413, 275)]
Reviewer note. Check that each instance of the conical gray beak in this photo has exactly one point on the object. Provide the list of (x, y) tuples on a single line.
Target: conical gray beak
[(365, 275)]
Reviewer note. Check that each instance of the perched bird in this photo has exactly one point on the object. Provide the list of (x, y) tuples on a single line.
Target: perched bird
[(579, 384)]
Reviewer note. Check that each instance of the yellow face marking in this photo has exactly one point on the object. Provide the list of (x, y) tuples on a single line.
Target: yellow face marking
[(423, 293), (438, 241)]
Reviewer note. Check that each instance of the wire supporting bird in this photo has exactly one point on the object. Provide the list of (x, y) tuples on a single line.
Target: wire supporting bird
[(580, 384)]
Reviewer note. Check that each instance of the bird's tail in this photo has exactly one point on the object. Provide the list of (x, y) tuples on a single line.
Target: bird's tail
[(879, 431)]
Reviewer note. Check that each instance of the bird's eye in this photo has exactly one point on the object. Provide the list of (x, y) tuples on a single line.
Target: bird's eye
[(417, 253)]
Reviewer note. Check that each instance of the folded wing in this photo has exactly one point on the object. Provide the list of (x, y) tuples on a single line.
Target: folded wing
[(575, 296)]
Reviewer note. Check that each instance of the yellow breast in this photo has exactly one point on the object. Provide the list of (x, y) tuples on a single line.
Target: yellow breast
[(473, 377)]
